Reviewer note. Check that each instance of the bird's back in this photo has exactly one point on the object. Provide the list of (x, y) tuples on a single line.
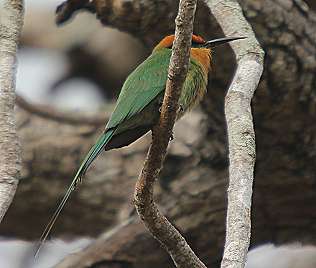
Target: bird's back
[(137, 108)]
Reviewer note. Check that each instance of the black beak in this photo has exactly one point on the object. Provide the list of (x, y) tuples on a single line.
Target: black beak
[(221, 41)]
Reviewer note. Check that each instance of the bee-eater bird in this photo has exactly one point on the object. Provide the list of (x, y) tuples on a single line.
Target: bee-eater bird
[(137, 107)]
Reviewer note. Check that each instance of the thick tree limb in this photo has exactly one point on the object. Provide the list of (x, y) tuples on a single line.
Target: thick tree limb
[(241, 135), (10, 160), (158, 225)]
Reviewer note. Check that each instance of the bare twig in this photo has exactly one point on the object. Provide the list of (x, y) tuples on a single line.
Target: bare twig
[(158, 225), (241, 136), (11, 22), (63, 117)]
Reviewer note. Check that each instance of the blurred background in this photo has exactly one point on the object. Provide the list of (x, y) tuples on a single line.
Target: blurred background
[(69, 78), (79, 66)]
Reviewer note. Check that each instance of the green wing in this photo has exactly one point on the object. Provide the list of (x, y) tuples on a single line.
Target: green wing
[(142, 86)]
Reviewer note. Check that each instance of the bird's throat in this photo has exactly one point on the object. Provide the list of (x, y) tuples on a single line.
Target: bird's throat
[(203, 57)]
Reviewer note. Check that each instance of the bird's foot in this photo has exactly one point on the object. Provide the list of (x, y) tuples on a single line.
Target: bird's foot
[(181, 109)]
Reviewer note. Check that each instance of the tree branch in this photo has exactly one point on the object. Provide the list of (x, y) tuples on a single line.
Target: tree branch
[(241, 136), (10, 154), (63, 117), (158, 225)]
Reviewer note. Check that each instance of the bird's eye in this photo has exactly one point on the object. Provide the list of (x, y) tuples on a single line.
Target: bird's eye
[(196, 44)]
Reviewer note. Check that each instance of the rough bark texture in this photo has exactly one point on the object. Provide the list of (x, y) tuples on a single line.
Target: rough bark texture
[(159, 226), (11, 21), (193, 183), (240, 130)]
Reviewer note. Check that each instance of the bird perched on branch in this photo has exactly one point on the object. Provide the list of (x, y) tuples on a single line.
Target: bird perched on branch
[(138, 105)]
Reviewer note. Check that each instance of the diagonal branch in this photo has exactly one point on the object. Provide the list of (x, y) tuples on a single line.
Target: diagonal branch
[(51, 113), (241, 135), (11, 22), (158, 225)]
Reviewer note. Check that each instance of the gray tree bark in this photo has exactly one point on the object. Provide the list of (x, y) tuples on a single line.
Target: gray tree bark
[(11, 22), (240, 130)]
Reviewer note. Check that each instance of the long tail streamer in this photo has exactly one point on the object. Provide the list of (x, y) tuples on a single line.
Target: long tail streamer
[(93, 153)]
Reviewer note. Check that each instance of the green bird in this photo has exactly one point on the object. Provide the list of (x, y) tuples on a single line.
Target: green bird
[(137, 107)]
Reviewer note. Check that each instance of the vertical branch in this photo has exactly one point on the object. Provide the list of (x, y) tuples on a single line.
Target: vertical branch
[(158, 225), (241, 135), (11, 22)]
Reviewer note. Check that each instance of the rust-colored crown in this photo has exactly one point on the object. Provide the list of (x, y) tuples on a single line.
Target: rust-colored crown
[(168, 41)]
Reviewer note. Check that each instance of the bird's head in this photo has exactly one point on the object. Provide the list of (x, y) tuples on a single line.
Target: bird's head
[(197, 42)]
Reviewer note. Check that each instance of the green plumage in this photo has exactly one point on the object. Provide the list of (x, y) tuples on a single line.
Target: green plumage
[(142, 93), (137, 109)]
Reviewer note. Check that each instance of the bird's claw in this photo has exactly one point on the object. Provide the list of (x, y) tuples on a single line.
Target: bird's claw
[(171, 137), (181, 109), (160, 106)]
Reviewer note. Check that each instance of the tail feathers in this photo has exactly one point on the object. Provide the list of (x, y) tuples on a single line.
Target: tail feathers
[(93, 153)]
